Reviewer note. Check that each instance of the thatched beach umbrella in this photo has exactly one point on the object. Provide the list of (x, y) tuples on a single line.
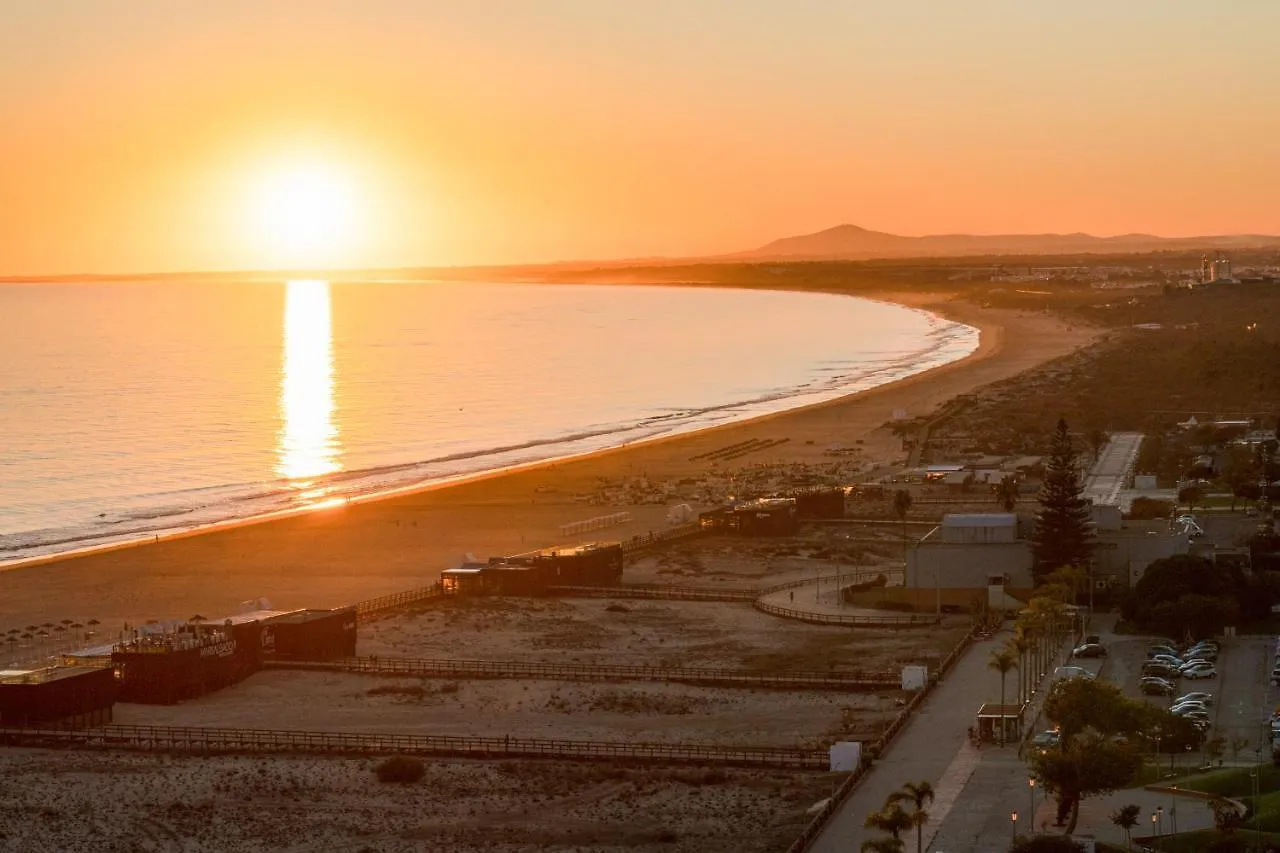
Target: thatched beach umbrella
[(93, 622)]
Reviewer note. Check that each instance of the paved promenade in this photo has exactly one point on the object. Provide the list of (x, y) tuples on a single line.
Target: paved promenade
[(933, 747)]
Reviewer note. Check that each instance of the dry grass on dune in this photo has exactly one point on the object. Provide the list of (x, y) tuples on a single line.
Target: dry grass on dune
[(96, 803)]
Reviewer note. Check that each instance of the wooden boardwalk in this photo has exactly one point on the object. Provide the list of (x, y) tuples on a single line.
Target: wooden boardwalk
[(204, 741), (850, 619), (662, 591), (847, 681)]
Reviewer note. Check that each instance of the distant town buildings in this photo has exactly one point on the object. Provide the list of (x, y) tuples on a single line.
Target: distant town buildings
[(1217, 270)]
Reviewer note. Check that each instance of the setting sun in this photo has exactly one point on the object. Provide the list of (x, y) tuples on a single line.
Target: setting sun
[(305, 215)]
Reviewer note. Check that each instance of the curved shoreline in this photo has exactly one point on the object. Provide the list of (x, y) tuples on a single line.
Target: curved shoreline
[(364, 549), (138, 538)]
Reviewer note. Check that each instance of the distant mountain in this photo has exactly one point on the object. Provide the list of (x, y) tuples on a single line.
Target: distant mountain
[(854, 243)]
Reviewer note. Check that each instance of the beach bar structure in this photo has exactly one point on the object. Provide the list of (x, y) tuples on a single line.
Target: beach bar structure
[(819, 503), (167, 663), (760, 517), (311, 634), (592, 564), (183, 661), (58, 696)]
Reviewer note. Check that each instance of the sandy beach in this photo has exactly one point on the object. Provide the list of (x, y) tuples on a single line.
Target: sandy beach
[(341, 555)]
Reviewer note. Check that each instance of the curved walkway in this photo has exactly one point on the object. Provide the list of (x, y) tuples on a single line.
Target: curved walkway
[(818, 600)]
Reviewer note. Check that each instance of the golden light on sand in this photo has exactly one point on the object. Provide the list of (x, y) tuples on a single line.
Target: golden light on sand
[(305, 214), (309, 446)]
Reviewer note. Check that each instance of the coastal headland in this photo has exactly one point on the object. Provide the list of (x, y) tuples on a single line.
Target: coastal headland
[(339, 555)]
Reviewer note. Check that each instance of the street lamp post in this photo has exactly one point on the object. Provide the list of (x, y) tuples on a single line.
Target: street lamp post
[(1253, 781), (1013, 822), (1031, 815), (1153, 829), (1160, 831)]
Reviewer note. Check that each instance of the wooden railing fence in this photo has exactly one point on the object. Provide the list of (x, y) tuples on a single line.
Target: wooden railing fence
[(234, 740), (847, 680)]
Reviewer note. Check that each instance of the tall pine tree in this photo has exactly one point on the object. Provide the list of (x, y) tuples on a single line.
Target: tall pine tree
[(1064, 534)]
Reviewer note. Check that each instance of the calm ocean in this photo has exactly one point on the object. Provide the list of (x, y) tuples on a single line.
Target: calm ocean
[(130, 410)]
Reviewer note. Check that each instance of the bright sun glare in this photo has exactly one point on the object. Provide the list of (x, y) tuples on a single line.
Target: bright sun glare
[(305, 214)]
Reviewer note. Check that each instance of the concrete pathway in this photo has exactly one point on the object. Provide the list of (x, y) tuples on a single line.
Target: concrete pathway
[(820, 597), (933, 747), (1113, 467)]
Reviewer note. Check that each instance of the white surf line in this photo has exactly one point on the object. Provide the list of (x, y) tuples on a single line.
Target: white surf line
[(948, 790)]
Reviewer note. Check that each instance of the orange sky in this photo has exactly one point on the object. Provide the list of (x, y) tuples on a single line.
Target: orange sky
[(135, 133)]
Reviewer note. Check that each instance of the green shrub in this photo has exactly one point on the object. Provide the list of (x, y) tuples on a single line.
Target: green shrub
[(402, 769)]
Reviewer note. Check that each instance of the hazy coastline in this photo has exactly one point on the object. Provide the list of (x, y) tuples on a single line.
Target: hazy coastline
[(216, 506), (341, 554)]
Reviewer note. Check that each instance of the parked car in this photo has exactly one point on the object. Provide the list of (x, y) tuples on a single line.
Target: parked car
[(1194, 662), (1089, 650), (1172, 660), (1047, 739), (1206, 698), (1156, 687), (1201, 671), (1189, 705), (1161, 650), (1160, 671)]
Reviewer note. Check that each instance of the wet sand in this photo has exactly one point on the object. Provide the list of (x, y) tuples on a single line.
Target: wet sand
[(340, 555)]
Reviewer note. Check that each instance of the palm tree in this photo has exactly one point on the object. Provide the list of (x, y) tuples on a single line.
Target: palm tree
[(1019, 644), (892, 819), (901, 506), (1002, 661), (918, 794), (1007, 493), (883, 844)]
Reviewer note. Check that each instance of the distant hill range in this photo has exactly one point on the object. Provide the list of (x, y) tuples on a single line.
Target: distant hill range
[(853, 243)]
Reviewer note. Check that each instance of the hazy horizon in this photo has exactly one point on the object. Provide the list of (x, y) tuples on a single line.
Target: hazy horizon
[(183, 136)]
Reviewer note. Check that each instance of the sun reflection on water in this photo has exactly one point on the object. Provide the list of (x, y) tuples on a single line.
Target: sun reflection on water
[(309, 445)]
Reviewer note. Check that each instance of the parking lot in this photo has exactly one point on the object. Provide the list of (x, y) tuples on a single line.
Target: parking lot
[(1243, 694)]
